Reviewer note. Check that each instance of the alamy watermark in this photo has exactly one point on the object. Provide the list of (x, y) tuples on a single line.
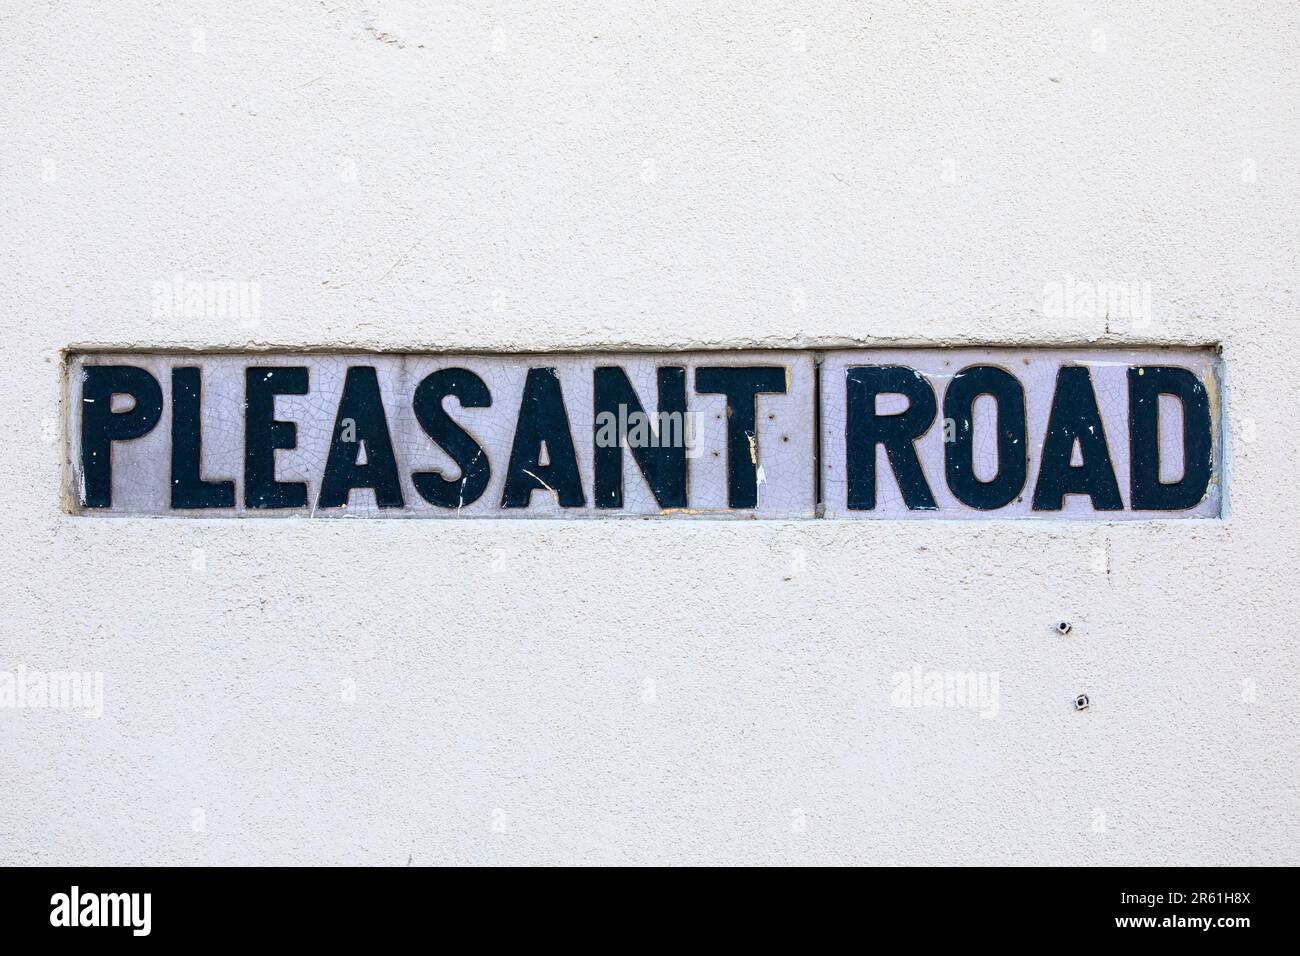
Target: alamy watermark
[(969, 690), (183, 298), (1084, 299), (75, 908), (62, 690), (638, 429)]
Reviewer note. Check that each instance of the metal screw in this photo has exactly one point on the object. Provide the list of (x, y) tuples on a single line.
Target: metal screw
[(1081, 702), (1064, 627)]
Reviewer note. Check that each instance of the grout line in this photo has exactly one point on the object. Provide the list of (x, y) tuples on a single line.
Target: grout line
[(819, 505)]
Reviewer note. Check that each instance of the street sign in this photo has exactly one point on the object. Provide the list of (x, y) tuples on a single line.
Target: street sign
[(1107, 434), (506, 436), (1100, 434)]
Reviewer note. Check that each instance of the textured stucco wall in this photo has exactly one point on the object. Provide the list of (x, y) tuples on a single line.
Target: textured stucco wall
[(660, 176)]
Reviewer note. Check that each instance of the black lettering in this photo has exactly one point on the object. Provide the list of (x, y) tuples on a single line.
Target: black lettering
[(898, 433), (468, 455), (263, 435), (101, 426), (741, 385), (959, 452), (542, 419), (189, 489), (664, 466), (1075, 417), (1145, 386), (361, 420)]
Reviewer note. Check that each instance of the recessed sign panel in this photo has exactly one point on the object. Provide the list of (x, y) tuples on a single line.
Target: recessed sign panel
[(526, 436), (1021, 433), (889, 433)]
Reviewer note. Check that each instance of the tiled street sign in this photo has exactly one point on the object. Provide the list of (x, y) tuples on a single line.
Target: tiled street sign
[(970, 433), (330, 435), (1106, 434)]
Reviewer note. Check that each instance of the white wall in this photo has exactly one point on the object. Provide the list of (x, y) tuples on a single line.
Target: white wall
[(659, 176)]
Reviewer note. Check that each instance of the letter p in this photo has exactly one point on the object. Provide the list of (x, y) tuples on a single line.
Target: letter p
[(101, 426)]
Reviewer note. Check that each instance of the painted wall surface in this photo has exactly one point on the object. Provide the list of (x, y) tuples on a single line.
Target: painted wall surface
[(496, 176)]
